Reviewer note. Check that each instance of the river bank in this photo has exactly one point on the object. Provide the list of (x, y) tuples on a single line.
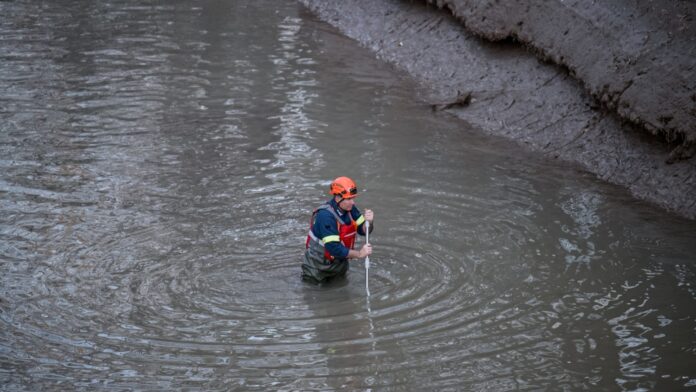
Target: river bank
[(498, 81)]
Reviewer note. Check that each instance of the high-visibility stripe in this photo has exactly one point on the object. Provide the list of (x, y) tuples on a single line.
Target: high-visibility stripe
[(331, 238), (312, 236), (360, 220)]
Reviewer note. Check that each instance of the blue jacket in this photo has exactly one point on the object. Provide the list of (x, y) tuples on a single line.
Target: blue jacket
[(324, 225)]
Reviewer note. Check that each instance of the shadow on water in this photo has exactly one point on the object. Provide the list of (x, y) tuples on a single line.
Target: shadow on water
[(352, 356)]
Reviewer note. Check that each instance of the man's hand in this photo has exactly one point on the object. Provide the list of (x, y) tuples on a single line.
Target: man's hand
[(365, 251), (369, 215)]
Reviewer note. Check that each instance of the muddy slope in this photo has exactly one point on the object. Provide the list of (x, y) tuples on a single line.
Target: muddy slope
[(504, 89), (638, 57)]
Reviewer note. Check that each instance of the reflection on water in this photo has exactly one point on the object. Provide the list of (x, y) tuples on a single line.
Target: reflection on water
[(158, 167)]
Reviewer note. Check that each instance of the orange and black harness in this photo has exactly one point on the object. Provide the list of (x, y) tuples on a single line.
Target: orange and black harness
[(346, 232)]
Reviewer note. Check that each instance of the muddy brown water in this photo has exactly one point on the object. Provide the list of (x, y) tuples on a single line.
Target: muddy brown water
[(158, 164)]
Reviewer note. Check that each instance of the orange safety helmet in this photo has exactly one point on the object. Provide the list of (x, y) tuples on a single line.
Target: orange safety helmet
[(344, 187)]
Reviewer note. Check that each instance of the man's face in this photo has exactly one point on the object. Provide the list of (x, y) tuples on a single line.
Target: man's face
[(347, 204)]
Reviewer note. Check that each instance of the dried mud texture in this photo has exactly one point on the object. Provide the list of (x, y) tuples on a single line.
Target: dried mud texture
[(638, 57), (503, 89)]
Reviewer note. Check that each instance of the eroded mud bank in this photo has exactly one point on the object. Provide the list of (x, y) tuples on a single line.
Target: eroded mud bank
[(638, 57), (504, 89)]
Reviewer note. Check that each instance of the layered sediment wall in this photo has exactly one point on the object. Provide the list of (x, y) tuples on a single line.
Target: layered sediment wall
[(610, 87), (637, 57)]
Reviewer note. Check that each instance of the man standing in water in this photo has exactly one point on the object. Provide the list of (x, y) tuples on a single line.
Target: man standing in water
[(332, 233)]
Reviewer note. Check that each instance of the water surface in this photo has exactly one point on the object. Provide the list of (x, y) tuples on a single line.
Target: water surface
[(158, 166)]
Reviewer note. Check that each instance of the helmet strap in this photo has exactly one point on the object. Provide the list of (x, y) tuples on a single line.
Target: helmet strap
[(338, 203)]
